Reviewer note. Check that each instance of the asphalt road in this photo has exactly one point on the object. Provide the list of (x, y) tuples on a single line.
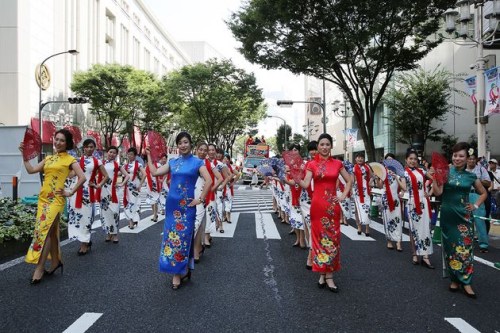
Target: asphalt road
[(245, 284)]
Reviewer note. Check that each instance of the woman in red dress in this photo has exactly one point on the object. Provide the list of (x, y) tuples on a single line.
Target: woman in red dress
[(325, 211)]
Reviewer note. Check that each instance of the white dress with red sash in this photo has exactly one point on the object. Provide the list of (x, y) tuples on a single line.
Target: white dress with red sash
[(154, 186), (109, 202), (81, 204), (361, 190), (131, 199)]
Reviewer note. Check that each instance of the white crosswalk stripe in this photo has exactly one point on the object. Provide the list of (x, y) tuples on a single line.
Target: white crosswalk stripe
[(250, 200)]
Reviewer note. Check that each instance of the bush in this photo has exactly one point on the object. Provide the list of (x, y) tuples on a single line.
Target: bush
[(17, 220)]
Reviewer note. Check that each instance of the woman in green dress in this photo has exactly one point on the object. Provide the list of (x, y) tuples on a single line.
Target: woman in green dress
[(457, 221)]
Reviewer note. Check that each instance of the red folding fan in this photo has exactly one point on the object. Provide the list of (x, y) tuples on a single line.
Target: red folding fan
[(32, 144), (441, 167)]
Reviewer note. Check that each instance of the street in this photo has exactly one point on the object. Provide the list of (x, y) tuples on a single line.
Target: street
[(250, 280)]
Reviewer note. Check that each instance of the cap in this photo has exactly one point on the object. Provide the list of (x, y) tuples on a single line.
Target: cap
[(493, 161)]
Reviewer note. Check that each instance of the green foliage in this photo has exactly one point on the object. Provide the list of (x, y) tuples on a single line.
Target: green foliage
[(280, 137), (356, 44), (448, 141), (215, 101), (418, 100)]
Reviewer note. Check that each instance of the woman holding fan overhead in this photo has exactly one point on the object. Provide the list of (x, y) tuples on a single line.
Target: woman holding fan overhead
[(457, 222), (325, 211)]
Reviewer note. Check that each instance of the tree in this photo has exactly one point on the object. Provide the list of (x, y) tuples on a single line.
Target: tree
[(356, 44), (448, 142), (418, 100), (215, 101), (280, 137)]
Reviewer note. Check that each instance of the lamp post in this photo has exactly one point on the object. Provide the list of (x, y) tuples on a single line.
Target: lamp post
[(480, 39), (40, 88), (309, 128), (284, 121), (288, 103), (344, 114)]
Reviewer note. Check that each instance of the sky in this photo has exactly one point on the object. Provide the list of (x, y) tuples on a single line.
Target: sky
[(203, 20)]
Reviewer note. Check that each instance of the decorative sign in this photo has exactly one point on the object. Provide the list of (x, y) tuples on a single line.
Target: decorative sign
[(42, 77)]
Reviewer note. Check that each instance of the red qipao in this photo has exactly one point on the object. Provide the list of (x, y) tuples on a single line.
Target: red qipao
[(325, 214)]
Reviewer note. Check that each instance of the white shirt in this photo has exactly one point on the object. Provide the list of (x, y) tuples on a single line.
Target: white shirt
[(496, 184)]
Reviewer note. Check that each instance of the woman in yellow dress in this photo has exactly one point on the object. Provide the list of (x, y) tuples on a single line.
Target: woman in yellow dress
[(51, 202)]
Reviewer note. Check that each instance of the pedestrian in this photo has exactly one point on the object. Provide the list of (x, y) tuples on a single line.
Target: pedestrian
[(164, 185), (176, 254), (479, 214), (457, 223), (82, 205), (107, 196), (419, 210), (325, 211), (213, 153), (153, 190), (494, 188), (255, 177), (211, 205), (362, 192), (391, 206), (51, 203), (131, 193), (305, 204), (229, 193)]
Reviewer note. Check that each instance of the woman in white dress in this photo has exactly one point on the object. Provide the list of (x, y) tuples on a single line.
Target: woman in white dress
[(153, 191), (81, 207), (361, 190), (108, 197), (419, 211), (305, 204), (131, 199), (346, 204)]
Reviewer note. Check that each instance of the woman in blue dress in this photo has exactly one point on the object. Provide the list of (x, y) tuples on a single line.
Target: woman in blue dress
[(176, 254), (457, 221)]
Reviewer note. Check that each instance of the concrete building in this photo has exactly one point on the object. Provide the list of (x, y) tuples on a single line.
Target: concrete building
[(200, 51), (103, 31)]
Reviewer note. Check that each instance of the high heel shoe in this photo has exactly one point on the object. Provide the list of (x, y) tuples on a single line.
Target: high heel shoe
[(187, 276), (333, 289), (60, 265), (89, 248), (131, 226), (309, 268), (427, 264), (367, 234), (470, 295), (37, 281), (135, 224), (322, 285), (414, 260)]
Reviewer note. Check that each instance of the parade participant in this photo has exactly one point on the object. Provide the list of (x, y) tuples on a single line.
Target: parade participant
[(176, 254), (51, 202), (483, 176), (294, 190), (229, 190), (305, 204), (211, 204), (164, 186), (391, 207), (456, 219), (221, 190), (82, 205), (347, 204), (255, 177), (107, 195), (325, 211), (361, 190), (419, 210), (153, 191), (131, 199)]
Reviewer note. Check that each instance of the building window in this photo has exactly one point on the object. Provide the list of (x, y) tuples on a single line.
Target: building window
[(136, 19), (147, 60), (136, 52), (378, 121), (110, 25), (110, 37), (156, 66), (124, 46)]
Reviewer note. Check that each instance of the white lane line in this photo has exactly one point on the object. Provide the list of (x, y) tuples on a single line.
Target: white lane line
[(83, 323), (141, 226), (380, 228), (268, 225), (486, 262), (461, 325), (352, 233), (229, 228)]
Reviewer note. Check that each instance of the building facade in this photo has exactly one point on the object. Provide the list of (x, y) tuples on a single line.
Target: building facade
[(102, 31)]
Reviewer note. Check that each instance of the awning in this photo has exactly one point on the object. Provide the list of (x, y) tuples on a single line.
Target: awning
[(48, 129)]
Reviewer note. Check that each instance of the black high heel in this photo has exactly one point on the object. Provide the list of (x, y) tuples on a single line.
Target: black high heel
[(414, 261), (334, 289), (427, 264), (321, 285), (309, 268), (186, 277), (35, 281), (135, 224), (89, 248), (60, 265)]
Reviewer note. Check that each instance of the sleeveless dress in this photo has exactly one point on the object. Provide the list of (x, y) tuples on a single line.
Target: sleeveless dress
[(56, 170), (176, 254), (131, 198), (361, 190), (457, 226), (391, 211), (325, 214), (109, 203)]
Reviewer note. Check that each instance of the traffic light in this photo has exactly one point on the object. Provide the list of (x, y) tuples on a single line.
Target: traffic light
[(78, 100)]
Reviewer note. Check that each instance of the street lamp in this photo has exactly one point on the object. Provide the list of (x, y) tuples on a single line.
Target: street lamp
[(309, 128), (44, 86), (288, 103), (344, 113), (284, 121), (482, 38)]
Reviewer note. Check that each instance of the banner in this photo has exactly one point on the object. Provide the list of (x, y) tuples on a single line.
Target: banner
[(351, 136), (491, 92), (471, 86)]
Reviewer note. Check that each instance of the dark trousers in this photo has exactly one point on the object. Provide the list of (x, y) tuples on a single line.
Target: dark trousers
[(487, 206)]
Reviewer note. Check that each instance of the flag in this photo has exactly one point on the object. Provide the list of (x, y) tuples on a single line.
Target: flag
[(491, 92), (351, 136), (471, 87)]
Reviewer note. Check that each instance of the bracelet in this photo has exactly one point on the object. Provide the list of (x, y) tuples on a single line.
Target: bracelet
[(201, 200), (476, 206)]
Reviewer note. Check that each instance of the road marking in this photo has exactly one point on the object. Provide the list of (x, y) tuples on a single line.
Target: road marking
[(141, 226), (380, 228), (268, 227), (229, 228), (352, 233), (83, 323), (461, 325)]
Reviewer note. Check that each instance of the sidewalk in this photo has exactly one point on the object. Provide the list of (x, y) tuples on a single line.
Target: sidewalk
[(495, 230)]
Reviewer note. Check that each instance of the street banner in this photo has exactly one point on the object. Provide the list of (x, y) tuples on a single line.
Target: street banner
[(351, 136), (471, 86), (491, 92)]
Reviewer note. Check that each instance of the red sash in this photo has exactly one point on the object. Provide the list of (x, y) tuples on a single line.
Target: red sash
[(114, 197), (359, 181), (231, 187), (414, 186), (149, 177), (136, 166), (388, 192), (295, 191), (210, 195), (79, 192)]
